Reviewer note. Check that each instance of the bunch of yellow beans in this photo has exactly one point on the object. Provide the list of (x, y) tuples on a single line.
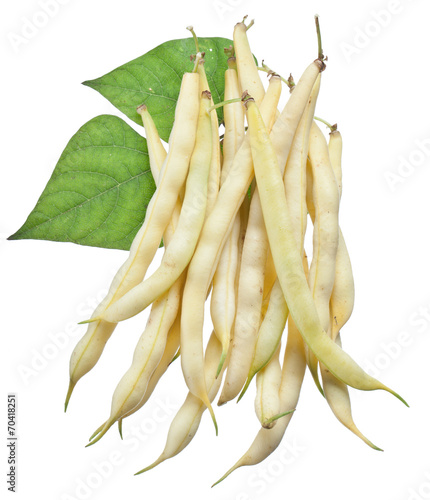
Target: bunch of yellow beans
[(233, 214)]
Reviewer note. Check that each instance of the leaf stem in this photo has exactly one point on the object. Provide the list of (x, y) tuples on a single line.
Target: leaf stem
[(332, 128), (250, 24), (320, 50), (243, 22), (196, 41), (223, 103), (290, 82), (199, 58), (229, 51)]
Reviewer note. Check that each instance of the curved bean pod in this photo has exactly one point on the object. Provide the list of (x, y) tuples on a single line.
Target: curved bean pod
[(341, 305), (288, 261), (175, 166), (147, 355), (282, 137), (182, 245), (335, 152), (325, 197), (215, 163), (249, 77), (223, 298), (249, 302), (169, 353), (267, 403), (151, 345), (342, 297), (186, 422), (272, 327), (203, 264), (293, 372)]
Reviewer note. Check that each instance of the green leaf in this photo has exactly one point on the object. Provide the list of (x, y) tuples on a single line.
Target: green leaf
[(154, 79), (99, 190)]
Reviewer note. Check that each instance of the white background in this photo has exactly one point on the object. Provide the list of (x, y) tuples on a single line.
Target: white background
[(376, 88)]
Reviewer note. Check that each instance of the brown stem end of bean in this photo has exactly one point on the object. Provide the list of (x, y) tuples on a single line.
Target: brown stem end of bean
[(246, 99), (321, 56), (142, 108), (291, 83), (231, 63), (229, 51)]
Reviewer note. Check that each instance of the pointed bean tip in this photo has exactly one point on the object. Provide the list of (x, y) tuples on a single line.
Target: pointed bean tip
[(97, 431), (221, 479), (215, 422), (402, 400), (232, 469), (221, 363), (101, 431), (149, 467), (369, 443), (240, 395), (373, 446), (208, 404), (86, 321), (394, 393), (245, 387), (68, 395)]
